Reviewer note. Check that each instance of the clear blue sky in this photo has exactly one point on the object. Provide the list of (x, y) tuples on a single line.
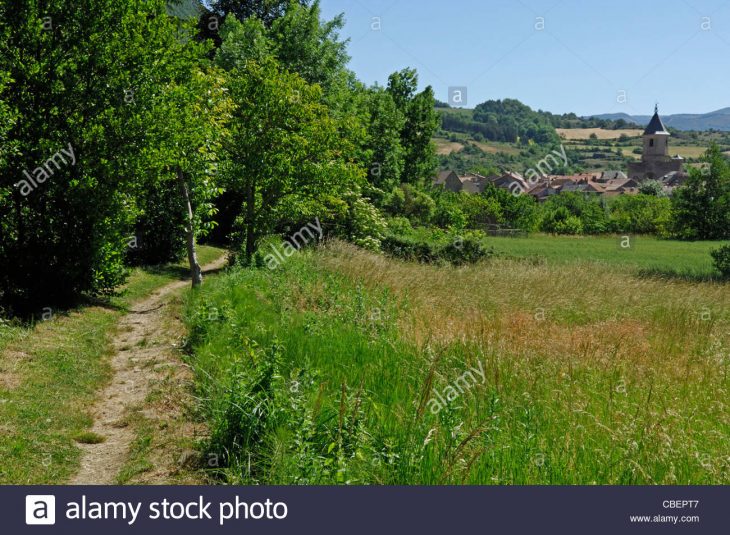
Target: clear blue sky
[(588, 52)]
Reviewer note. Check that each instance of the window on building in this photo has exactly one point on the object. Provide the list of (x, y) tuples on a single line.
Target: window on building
[(651, 142)]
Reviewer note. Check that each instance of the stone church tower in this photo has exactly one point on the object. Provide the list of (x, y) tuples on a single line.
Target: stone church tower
[(655, 160)]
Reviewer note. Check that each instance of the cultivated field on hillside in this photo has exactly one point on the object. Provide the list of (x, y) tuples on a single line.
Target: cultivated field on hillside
[(493, 147), (601, 133), (564, 370), (445, 147)]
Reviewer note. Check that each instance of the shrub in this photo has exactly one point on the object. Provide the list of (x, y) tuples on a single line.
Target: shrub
[(569, 225), (721, 257), (467, 249), (412, 203), (399, 225), (561, 221), (366, 223), (641, 214), (449, 212), (449, 215), (587, 208), (409, 249), (455, 249)]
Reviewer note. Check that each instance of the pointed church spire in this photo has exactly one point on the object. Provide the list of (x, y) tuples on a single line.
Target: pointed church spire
[(656, 126)]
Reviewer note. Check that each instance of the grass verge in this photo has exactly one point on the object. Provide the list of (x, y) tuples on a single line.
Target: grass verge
[(50, 374)]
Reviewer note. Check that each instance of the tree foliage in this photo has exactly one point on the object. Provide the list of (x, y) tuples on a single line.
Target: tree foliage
[(266, 11), (504, 120), (702, 205), (421, 123), (285, 156), (72, 68)]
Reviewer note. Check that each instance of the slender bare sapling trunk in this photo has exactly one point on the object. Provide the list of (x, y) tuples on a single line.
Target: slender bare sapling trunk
[(196, 274)]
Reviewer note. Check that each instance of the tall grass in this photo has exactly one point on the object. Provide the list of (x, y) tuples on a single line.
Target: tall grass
[(326, 371)]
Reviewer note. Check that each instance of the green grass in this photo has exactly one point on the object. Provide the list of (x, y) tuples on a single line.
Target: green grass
[(644, 252), (87, 437), (145, 280), (50, 374), (138, 461), (327, 371)]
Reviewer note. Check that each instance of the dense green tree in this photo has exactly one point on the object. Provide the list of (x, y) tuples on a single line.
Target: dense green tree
[(243, 42), (266, 11), (186, 128), (386, 155), (305, 44), (481, 211), (652, 187), (180, 114), (506, 120), (517, 211), (74, 69), (294, 33), (702, 205), (285, 154), (402, 86), (640, 214), (421, 123), (8, 117)]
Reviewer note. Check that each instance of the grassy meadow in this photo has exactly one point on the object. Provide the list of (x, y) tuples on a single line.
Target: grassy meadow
[(644, 253), (600, 133), (345, 366), (50, 374)]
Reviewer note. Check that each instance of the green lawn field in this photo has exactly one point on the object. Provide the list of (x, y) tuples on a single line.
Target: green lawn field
[(643, 252)]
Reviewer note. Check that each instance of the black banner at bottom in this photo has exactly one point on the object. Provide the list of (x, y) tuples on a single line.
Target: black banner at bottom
[(365, 510)]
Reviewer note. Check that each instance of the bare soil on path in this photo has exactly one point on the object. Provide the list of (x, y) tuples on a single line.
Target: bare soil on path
[(142, 344)]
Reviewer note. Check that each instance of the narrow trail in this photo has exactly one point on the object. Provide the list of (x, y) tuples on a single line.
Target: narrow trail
[(140, 345)]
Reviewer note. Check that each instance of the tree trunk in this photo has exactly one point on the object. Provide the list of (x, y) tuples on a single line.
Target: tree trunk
[(250, 216), (196, 274)]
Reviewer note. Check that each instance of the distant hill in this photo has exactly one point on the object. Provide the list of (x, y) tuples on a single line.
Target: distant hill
[(717, 120), (510, 120)]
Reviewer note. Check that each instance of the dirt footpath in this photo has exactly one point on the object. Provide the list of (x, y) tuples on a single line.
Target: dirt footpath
[(140, 345)]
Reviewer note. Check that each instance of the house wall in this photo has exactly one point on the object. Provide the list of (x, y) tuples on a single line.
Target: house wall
[(453, 183)]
